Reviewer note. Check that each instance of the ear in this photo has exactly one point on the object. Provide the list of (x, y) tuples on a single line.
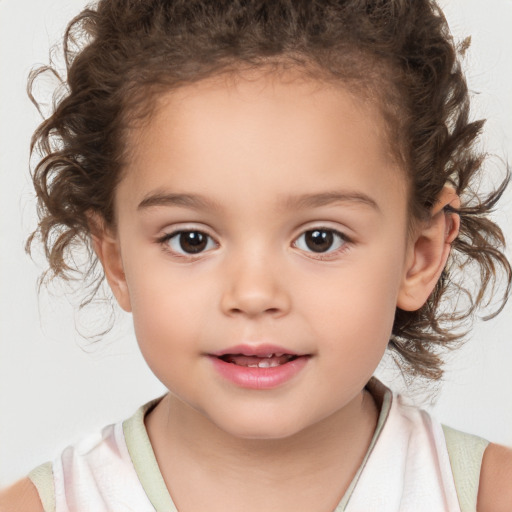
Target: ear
[(107, 248), (428, 252)]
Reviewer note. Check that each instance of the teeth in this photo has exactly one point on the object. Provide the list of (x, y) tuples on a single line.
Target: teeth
[(264, 364), (268, 364), (264, 361)]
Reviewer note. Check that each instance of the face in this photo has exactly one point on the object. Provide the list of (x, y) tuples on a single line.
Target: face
[(262, 239)]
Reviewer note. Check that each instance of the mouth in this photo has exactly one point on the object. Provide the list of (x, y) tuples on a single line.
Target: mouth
[(270, 360), (259, 367)]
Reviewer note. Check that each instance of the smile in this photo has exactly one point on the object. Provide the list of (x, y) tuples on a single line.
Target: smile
[(258, 367), (266, 361)]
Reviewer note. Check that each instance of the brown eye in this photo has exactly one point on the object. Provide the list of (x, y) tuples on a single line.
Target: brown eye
[(189, 242), (320, 240), (193, 241)]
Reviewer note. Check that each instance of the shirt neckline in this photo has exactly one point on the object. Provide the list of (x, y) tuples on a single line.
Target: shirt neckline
[(151, 479)]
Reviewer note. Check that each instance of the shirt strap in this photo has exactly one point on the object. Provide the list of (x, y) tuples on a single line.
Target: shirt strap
[(466, 452), (42, 478)]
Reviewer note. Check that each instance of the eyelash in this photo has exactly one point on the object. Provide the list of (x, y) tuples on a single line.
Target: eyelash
[(343, 240), (164, 242)]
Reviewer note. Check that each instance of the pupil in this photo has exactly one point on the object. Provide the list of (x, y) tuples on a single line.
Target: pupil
[(319, 241), (193, 241)]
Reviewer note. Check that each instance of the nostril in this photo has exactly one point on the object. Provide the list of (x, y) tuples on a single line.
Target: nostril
[(254, 298), (271, 311)]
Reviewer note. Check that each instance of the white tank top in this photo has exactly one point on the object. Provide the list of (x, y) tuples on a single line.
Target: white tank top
[(406, 468)]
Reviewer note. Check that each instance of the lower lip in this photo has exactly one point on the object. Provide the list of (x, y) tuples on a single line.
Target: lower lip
[(259, 378)]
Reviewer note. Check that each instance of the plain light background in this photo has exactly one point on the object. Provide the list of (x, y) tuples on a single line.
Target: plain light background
[(55, 387)]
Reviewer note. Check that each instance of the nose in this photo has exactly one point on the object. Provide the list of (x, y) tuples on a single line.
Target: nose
[(254, 287)]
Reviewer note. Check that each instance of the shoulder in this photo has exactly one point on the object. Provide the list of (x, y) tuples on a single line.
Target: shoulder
[(495, 489), (22, 495)]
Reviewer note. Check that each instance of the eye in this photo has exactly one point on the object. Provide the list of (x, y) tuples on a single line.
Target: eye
[(320, 240), (188, 242)]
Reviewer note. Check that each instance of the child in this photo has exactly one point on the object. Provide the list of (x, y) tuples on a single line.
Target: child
[(272, 189)]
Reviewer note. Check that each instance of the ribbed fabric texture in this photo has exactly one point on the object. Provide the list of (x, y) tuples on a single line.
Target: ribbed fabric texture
[(466, 452)]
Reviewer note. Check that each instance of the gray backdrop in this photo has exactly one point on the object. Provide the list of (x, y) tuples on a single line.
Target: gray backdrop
[(55, 388)]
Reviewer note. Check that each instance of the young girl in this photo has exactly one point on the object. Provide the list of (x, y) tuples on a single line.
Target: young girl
[(277, 191)]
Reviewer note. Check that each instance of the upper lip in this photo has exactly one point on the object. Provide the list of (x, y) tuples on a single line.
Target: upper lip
[(261, 350)]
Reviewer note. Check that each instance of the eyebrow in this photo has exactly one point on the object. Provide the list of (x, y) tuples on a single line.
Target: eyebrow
[(194, 201), (326, 198), (303, 201)]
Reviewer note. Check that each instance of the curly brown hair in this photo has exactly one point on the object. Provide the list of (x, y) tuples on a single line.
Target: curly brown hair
[(121, 54)]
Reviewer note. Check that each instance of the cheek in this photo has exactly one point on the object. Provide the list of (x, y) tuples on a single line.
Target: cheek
[(166, 314), (169, 331), (167, 308), (174, 308), (358, 313)]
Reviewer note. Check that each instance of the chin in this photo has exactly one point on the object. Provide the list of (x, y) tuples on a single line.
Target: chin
[(261, 430)]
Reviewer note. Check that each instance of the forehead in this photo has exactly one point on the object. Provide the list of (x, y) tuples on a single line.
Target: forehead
[(245, 131)]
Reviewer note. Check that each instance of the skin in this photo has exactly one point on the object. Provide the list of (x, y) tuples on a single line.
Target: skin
[(256, 283), (264, 146)]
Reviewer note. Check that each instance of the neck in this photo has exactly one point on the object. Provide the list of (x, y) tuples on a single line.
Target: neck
[(192, 451)]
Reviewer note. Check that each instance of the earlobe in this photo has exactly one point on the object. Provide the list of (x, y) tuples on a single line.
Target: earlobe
[(107, 249), (428, 253)]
